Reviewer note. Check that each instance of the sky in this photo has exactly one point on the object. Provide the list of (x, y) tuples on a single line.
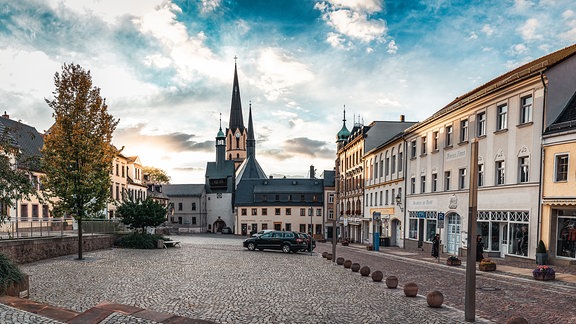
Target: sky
[(166, 67)]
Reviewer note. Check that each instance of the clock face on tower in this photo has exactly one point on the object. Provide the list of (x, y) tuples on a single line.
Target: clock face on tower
[(237, 134)]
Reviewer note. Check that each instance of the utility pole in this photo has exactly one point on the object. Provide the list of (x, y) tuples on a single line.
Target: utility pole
[(470, 298)]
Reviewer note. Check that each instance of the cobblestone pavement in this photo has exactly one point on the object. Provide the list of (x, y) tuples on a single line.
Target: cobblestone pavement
[(211, 277), (13, 315), (499, 295)]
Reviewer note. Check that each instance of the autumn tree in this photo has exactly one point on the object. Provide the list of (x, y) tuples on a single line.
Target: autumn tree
[(15, 170), (78, 151), (156, 175)]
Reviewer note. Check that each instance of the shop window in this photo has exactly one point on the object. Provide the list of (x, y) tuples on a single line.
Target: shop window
[(413, 228)]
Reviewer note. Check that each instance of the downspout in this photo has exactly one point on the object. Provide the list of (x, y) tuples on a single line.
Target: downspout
[(540, 189), (405, 162)]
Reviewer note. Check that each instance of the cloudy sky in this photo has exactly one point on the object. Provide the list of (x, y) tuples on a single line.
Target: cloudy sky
[(166, 67)]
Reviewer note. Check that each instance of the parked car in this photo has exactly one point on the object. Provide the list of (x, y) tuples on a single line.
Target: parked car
[(261, 232), (306, 237), (226, 230), (277, 240)]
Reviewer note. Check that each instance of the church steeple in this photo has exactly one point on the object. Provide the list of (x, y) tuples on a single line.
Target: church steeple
[(250, 141), (220, 146), (236, 132), (236, 119), (344, 132)]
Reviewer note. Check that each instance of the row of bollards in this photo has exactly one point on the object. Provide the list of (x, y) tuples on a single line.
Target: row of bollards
[(434, 298)]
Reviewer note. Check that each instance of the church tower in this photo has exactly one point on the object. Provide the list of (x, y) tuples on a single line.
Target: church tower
[(236, 133)]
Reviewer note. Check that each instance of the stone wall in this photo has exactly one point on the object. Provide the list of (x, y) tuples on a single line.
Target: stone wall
[(34, 249)]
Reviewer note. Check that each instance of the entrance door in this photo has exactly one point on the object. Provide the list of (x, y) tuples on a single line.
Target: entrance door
[(454, 233), (395, 233), (505, 245)]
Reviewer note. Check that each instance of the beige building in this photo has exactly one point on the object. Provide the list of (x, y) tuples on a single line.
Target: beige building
[(506, 116)]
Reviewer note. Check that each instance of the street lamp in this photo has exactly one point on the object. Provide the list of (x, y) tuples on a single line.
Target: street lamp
[(399, 202), (311, 229)]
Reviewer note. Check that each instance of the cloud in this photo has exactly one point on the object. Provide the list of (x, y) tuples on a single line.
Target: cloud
[(570, 33), (392, 47), (173, 142), (210, 5), (487, 30), (308, 147), (352, 19), (529, 30)]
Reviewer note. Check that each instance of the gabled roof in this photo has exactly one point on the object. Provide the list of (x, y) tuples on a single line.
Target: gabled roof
[(249, 169), (566, 120), (525, 71), (27, 139)]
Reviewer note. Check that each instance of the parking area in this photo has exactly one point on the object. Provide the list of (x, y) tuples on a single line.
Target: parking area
[(212, 277)]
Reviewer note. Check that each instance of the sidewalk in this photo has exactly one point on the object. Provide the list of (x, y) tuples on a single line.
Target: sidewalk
[(520, 267)]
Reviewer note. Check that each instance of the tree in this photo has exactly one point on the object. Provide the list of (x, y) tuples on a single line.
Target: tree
[(15, 181), (156, 175), (78, 151), (141, 214)]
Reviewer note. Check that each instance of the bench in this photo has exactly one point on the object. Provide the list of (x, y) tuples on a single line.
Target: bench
[(168, 244)]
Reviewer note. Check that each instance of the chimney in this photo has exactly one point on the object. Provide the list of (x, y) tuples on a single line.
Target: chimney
[(6, 115), (312, 172), (402, 118)]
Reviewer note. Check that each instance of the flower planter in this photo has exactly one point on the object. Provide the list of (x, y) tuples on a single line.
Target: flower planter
[(452, 262), (392, 282), (487, 267), (19, 289), (544, 277)]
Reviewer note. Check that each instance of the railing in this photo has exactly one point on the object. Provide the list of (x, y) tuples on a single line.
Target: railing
[(22, 227)]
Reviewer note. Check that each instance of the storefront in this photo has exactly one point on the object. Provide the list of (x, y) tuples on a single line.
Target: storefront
[(505, 232)]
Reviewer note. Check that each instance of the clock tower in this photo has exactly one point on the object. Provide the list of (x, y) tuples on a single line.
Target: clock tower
[(236, 133)]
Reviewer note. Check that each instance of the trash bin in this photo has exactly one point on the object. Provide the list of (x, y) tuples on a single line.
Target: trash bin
[(384, 241)]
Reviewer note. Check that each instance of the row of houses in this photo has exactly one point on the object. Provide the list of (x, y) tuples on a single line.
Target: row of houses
[(417, 178)]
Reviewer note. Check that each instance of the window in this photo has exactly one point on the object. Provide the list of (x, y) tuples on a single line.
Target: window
[(180, 206), (381, 193), (193, 206), (371, 198), (35, 211), (318, 211), (244, 211), (277, 197), (446, 180), (45, 211), (434, 182), (523, 169), (525, 109), (561, 167), (392, 197), (331, 198), (480, 175), (302, 211), (501, 118), (413, 228), (277, 211), (386, 197), (393, 164), (435, 136), (366, 200), (461, 178), (500, 165), (264, 211), (448, 136), (423, 143), (375, 170), (413, 149), (387, 166), (400, 161), (413, 185), (422, 184), (193, 220), (464, 130), (24, 210), (254, 211)]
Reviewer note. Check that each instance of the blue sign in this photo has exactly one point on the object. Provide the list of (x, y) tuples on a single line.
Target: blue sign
[(440, 216), (421, 214)]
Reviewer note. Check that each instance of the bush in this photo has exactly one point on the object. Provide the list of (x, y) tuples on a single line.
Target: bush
[(140, 241), (9, 273), (541, 248)]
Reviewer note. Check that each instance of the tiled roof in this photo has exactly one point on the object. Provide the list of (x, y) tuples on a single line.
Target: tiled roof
[(27, 139), (525, 71), (566, 120), (183, 190)]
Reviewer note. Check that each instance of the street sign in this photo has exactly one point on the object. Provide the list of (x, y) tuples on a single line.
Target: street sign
[(421, 214), (440, 223), (376, 216), (440, 216)]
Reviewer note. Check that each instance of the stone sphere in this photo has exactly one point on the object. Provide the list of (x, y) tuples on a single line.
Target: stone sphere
[(365, 271), (392, 282), (329, 256), (377, 276), (340, 261), (355, 267), (411, 289), (324, 254), (347, 264), (435, 299)]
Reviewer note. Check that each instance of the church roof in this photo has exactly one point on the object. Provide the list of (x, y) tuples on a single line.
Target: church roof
[(249, 169), (236, 118)]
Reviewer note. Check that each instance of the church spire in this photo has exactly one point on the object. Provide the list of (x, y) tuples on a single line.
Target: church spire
[(344, 132), (250, 141), (236, 119)]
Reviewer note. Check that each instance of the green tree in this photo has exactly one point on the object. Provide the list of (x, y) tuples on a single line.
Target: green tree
[(15, 173), (156, 175), (141, 214), (78, 151)]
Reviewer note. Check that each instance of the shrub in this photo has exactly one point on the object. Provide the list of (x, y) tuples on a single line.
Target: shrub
[(541, 248), (9, 273), (140, 241)]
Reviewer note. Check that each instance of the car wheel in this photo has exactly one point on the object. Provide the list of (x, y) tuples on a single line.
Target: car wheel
[(251, 246), (286, 248)]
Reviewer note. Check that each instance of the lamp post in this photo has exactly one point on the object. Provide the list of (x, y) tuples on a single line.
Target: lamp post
[(311, 229), (399, 202)]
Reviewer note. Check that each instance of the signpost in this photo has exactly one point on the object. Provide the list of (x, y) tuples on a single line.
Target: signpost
[(376, 236)]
